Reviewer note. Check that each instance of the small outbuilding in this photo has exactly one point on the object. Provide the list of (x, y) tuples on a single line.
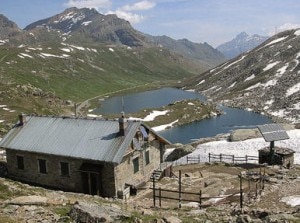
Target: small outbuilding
[(282, 156), (275, 155), (94, 156)]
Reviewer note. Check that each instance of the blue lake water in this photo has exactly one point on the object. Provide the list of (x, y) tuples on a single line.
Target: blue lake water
[(231, 119)]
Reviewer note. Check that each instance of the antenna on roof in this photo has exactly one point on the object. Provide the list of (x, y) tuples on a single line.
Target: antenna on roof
[(123, 105)]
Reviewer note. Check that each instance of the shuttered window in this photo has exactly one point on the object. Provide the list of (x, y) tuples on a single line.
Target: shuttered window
[(136, 165), (147, 157)]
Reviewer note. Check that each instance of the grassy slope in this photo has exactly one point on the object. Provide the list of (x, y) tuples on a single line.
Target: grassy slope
[(87, 72)]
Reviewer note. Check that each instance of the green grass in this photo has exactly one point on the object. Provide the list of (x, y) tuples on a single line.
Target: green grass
[(84, 74)]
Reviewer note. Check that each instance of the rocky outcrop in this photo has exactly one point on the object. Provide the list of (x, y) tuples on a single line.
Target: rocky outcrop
[(243, 134), (179, 151), (94, 213)]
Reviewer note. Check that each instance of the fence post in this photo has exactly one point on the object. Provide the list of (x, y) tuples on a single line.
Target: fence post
[(249, 185), (232, 158), (220, 157), (160, 197), (153, 182), (241, 192), (179, 205), (199, 158), (246, 159), (200, 199), (187, 159), (256, 192), (209, 157)]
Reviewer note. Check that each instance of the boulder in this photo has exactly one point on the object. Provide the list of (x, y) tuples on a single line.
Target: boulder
[(179, 151), (243, 134), (94, 213), (172, 219)]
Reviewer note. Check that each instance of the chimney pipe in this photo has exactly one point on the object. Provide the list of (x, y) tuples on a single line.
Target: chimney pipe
[(122, 124), (21, 119)]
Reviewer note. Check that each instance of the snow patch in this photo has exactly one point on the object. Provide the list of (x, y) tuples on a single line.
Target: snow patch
[(66, 49), (231, 86), (154, 114), (163, 127), (94, 116), (151, 116), (254, 86), (291, 200), (270, 102), (297, 106), (248, 147), (229, 65), (271, 65), (25, 55), (277, 40), (201, 82), (270, 83), (43, 55), (293, 90), (280, 113), (297, 33), (86, 23), (250, 78), (282, 70)]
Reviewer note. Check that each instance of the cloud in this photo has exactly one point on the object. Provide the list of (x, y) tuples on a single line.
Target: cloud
[(125, 12), (139, 6), (97, 4), (284, 27), (131, 17)]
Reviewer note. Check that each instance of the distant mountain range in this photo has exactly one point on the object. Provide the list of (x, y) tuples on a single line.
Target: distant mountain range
[(240, 44), (265, 79), (88, 26)]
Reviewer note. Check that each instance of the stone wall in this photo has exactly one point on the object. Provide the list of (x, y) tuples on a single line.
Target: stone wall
[(124, 172), (53, 178)]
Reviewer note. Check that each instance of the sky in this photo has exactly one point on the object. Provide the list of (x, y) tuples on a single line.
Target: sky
[(211, 21)]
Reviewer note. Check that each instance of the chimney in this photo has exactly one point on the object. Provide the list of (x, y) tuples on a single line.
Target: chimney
[(122, 124), (21, 119)]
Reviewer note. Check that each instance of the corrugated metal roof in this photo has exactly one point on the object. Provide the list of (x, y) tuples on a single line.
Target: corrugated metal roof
[(71, 137)]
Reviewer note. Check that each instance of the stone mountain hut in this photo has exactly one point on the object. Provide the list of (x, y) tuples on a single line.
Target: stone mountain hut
[(93, 156)]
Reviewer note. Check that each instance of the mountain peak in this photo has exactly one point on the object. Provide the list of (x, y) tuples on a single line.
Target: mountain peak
[(87, 24), (240, 44), (242, 35), (8, 28)]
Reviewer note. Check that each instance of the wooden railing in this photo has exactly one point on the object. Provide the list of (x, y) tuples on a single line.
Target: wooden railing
[(231, 158), (249, 188), (190, 159)]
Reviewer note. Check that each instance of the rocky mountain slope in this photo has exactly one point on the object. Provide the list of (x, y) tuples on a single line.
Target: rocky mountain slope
[(240, 44), (202, 52), (79, 26), (82, 25), (265, 79)]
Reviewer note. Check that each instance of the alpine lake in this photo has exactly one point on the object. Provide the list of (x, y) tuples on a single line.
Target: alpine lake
[(230, 118)]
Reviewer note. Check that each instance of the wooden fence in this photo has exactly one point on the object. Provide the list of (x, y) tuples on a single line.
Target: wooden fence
[(249, 191), (190, 159), (231, 158)]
